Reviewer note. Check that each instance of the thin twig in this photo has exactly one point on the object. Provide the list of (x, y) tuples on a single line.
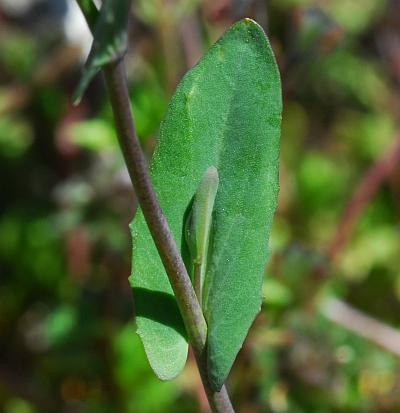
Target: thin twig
[(366, 189), (190, 309), (364, 325)]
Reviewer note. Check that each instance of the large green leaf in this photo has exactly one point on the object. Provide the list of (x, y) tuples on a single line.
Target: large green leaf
[(226, 112)]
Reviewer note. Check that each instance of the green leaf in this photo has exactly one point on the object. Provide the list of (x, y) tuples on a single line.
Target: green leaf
[(89, 11), (110, 41), (198, 227), (226, 112)]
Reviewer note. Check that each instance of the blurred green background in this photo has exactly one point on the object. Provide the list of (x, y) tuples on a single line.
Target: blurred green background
[(326, 339)]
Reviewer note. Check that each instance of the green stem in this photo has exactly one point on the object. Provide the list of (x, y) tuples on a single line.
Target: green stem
[(189, 306)]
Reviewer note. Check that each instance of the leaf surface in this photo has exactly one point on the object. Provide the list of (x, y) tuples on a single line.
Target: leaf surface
[(226, 112)]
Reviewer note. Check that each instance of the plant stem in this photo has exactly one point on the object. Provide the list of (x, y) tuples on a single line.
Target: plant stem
[(189, 306), (137, 167)]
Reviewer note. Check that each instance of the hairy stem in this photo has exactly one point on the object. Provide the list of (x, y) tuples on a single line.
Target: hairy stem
[(189, 306)]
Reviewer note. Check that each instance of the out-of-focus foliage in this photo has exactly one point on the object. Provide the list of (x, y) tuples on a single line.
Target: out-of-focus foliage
[(67, 340)]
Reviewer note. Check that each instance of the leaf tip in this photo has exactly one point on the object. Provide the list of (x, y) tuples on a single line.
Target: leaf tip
[(165, 369), (248, 20), (76, 100), (211, 174)]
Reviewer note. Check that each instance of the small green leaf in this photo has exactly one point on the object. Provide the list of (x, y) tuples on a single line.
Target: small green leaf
[(198, 227), (226, 112), (110, 41)]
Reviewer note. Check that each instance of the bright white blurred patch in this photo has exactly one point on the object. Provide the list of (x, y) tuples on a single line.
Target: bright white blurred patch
[(76, 30)]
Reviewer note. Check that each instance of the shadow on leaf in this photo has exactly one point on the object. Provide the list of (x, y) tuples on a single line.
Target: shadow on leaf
[(159, 307)]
